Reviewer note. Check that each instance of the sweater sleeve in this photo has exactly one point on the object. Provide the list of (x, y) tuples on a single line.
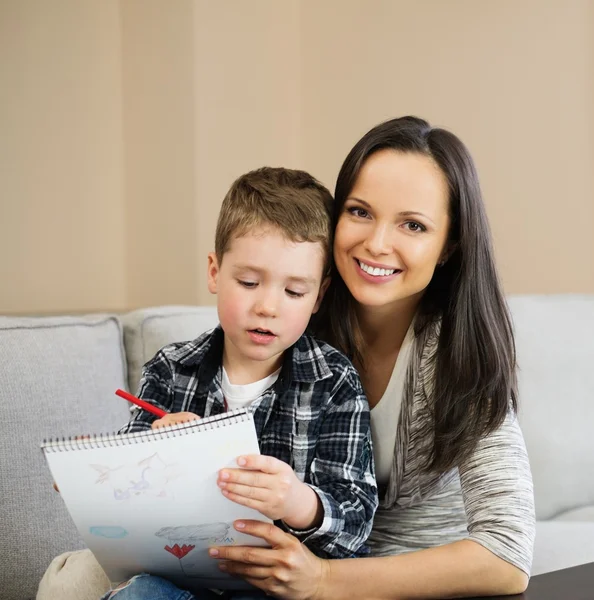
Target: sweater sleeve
[(498, 495)]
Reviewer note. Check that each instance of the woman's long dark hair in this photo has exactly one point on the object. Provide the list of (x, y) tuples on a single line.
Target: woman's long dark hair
[(475, 363)]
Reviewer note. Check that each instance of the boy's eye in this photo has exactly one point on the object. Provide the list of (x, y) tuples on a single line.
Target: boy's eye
[(415, 227), (247, 284), (357, 211), (295, 294)]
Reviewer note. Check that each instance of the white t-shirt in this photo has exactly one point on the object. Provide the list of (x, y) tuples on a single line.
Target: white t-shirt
[(241, 396), (386, 413)]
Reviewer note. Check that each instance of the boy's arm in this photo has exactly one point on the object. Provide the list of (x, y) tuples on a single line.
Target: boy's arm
[(342, 473), (156, 387)]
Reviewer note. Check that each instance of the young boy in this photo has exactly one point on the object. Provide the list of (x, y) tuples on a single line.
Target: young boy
[(270, 270)]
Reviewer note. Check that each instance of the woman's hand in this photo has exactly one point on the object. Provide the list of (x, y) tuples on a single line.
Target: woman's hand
[(286, 570)]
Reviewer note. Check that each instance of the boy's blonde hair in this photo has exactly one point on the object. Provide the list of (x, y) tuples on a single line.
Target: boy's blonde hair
[(291, 201)]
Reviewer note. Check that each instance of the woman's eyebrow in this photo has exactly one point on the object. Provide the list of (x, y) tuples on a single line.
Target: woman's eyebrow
[(414, 213), (358, 200)]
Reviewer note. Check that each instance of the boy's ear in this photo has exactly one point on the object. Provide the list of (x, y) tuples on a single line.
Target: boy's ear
[(212, 272), (323, 288)]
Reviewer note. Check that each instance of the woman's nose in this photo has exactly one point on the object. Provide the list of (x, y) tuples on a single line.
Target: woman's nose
[(378, 241)]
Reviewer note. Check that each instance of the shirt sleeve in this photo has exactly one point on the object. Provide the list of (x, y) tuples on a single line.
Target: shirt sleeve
[(156, 388), (342, 473), (498, 495)]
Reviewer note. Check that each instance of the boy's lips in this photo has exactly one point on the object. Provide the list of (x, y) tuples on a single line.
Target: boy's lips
[(261, 336)]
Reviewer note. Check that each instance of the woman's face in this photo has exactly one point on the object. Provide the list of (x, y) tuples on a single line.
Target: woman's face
[(393, 229)]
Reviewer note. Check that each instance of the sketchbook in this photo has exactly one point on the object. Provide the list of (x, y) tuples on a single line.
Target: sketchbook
[(148, 502)]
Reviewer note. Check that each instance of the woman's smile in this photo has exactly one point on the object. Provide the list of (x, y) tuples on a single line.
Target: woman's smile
[(376, 273)]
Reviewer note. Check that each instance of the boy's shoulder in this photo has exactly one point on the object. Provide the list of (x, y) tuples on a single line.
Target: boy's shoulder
[(319, 360), (188, 352), (327, 372)]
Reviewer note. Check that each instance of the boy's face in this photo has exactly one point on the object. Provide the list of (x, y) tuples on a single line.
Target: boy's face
[(267, 289)]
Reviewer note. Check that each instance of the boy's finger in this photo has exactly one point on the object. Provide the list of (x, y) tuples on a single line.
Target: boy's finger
[(250, 478), (249, 502), (245, 491), (259, 462)]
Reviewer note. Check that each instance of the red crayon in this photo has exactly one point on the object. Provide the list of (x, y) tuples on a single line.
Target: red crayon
[(148, 407)]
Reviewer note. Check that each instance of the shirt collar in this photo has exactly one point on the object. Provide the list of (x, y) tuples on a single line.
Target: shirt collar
[(304, 361)]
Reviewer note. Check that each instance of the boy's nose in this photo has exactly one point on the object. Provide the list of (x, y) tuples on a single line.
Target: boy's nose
[(266, 307)]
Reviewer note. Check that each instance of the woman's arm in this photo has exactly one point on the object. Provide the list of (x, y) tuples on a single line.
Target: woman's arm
[(495, 559), (460, 569), (290, 571), (498, 495)]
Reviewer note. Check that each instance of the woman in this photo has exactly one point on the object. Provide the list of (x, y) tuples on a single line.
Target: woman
[(415, 301)]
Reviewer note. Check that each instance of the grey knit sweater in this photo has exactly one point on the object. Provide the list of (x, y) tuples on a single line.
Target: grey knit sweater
[(487, 498)]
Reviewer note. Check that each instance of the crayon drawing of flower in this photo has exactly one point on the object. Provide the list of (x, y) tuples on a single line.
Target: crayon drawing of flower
[(182, 540), (180, 551)]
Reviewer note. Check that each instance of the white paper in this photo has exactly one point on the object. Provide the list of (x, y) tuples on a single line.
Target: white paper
[(153, 505)]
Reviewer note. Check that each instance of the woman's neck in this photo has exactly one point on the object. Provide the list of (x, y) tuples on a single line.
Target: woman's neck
[(384, 329)]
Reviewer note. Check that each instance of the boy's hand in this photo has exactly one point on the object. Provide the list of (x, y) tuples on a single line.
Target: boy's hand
[(174, 419), (271, 487)]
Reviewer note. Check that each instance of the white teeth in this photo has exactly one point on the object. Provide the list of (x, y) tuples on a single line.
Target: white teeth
[(375, 271)]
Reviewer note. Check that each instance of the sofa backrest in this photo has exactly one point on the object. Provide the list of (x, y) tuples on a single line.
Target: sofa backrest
[(57, 378), (555, 345), (149, 329)]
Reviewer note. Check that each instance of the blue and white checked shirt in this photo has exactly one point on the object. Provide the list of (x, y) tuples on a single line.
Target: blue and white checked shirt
[(315, 418)]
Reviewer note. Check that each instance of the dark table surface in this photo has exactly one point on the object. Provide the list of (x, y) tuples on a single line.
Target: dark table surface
[(576, 583)]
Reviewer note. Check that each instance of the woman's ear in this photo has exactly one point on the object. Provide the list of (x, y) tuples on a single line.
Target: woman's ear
[(212, 272), (447, 252), (323, 288)]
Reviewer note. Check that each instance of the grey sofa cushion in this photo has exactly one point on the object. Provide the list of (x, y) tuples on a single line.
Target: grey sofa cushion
[(555, 342), (560, 545), (57, 378), (584, 513), (148, 330)]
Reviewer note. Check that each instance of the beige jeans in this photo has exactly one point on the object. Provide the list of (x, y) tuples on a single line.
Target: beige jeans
[(73, 576)]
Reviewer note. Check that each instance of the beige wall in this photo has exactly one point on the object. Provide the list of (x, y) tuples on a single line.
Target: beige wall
[(123, 123), (513, 78), (248, 99), (159, 108), (62, 202)]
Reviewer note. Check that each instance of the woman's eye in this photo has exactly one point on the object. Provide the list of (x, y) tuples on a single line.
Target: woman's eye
[(356, 211), (414, 226), (247, 284), (295, 294)]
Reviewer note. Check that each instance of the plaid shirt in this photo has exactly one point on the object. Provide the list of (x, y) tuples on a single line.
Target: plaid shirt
[(315, 418)]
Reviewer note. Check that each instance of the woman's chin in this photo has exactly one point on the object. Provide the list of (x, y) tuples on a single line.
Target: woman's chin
[(386, 299)]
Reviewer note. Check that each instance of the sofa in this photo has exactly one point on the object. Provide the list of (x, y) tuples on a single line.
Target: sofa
[(58, 376)]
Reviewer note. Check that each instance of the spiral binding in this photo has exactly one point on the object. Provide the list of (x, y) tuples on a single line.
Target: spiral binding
[(103, 440)]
